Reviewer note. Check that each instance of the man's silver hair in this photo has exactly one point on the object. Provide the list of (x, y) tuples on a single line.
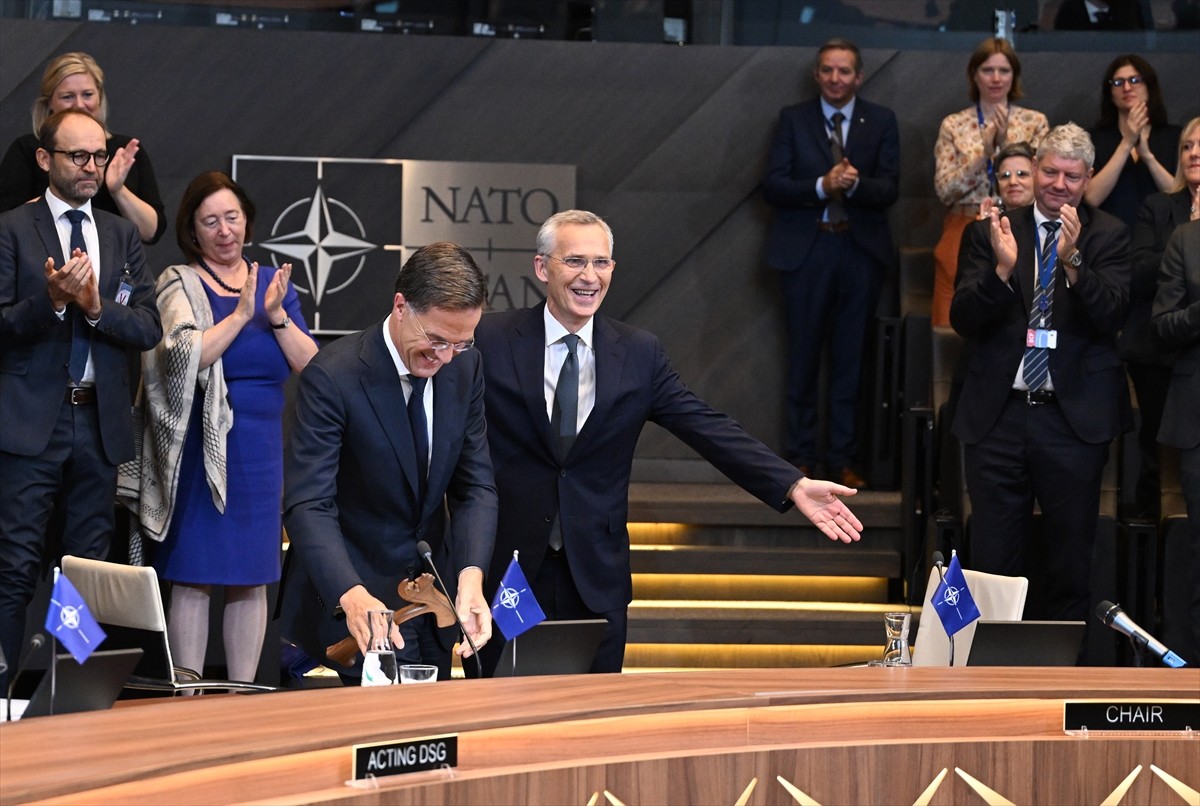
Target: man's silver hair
[(547, 236), (1070, 142)]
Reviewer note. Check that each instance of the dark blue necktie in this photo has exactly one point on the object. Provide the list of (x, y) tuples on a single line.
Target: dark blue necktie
[(836, 206), (566, 398), (1037, 359), (420, 431), (563, 421), (81, 331)]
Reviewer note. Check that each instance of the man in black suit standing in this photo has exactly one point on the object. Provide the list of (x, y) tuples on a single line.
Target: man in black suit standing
[(77, 307), (563, 460), (364, 482), (1040, 295), (1176, 322), (834, 172)]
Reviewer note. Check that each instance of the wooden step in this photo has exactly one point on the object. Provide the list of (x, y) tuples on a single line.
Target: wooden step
[(708, 622), (833, 560), (658, 502)]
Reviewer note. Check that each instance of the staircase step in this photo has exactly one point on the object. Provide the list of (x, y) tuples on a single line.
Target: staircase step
[(709, 622), (774, 588), (657, 502), (834, 560)]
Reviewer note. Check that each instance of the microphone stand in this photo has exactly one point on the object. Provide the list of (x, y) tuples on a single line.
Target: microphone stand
[(939, 563), (427, 553)]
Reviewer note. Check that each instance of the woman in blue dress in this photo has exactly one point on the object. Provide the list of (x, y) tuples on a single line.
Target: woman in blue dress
[(214, 396)]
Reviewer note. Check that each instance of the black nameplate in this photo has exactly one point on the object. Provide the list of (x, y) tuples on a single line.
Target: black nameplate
[(1139, 716), (412, 755)]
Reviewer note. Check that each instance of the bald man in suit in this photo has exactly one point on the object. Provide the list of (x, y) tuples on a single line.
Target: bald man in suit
[(77, 307)]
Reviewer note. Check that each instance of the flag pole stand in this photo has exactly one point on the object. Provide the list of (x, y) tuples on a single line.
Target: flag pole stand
[(54, 658), (953, 554)]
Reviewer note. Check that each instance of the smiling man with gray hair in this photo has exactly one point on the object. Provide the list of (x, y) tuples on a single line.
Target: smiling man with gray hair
[(1040, 295)]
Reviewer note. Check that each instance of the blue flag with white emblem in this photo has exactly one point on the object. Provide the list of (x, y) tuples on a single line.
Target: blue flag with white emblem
[(71, 622), (514, 609), (953, 601)]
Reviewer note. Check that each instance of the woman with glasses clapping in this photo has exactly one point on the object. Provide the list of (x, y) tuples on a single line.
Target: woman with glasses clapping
[(212, 458), (75, 81), (1136, 149)]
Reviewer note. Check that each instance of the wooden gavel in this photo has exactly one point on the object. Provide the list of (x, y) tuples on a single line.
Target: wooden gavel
[(425, 598)]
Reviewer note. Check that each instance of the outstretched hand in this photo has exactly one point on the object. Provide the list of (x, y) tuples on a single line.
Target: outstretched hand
[(819, 502)]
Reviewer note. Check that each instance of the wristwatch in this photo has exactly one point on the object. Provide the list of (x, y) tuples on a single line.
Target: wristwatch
[(1075, 259), (287, 322)]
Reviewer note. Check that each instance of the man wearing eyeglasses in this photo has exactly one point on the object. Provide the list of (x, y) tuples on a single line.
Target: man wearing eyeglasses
[(77, 306), (568, 393), (389, 449)]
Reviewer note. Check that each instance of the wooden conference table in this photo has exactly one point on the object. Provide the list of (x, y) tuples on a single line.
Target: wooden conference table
[(851, 735)]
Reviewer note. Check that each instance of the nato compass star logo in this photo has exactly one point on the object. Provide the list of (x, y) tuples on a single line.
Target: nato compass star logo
[(318, 245), (951, 596), (69, 617), (510, 598)]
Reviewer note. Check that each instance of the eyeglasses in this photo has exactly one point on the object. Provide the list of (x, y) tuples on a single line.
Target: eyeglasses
[(232, 218), (576, 263), (81, 158), (1120, 82), (439, 345), (1018, 174)]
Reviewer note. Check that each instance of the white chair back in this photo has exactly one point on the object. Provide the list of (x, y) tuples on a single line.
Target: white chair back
[(121, 595), (999, 598)]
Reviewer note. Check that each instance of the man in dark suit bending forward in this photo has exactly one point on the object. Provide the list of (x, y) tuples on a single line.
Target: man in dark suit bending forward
[(368, 477)]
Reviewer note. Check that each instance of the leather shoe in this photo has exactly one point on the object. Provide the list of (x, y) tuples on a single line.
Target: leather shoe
[(851, 479)]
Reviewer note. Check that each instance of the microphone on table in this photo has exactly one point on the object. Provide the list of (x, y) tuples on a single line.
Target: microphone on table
[(35, 643), (939, 562), (1113, 616), (427, 553)]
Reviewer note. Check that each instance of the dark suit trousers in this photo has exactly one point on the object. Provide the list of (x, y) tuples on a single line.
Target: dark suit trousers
[(1181, 574), (1031, 453), (555, 591), (1151, 383), (72, 481), (830, 300)]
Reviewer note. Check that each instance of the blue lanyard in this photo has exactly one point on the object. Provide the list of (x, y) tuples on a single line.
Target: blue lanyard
[(991, 170)]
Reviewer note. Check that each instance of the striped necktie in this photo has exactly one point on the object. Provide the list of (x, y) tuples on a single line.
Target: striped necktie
[(1037, 359)]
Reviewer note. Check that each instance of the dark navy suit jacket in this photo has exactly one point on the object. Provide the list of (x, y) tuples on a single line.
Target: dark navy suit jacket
[(1088, 375), (35, 345), (1177, 324), (800, 154), (635, 384), (350, 500)]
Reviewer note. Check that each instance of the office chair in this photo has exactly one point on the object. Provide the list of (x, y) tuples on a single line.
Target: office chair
[(126, 601), (999, 598)]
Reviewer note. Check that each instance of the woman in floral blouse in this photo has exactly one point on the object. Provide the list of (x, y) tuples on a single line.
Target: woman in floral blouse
[(966, 146)]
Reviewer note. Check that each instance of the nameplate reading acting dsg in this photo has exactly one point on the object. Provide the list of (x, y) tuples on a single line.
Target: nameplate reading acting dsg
[(411, 755), (1131, 716)]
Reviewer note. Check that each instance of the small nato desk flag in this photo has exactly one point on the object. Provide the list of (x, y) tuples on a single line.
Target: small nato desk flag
[(952, 600), (70, 621), (514, 609)]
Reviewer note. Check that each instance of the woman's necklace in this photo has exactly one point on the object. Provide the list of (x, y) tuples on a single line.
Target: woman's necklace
[(217, 279)]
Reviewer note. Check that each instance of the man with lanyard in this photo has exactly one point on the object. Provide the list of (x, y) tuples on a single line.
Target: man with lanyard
[(1040, 295)]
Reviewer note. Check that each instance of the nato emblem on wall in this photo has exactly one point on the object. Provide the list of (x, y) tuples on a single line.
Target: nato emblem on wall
[(348, 225)]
